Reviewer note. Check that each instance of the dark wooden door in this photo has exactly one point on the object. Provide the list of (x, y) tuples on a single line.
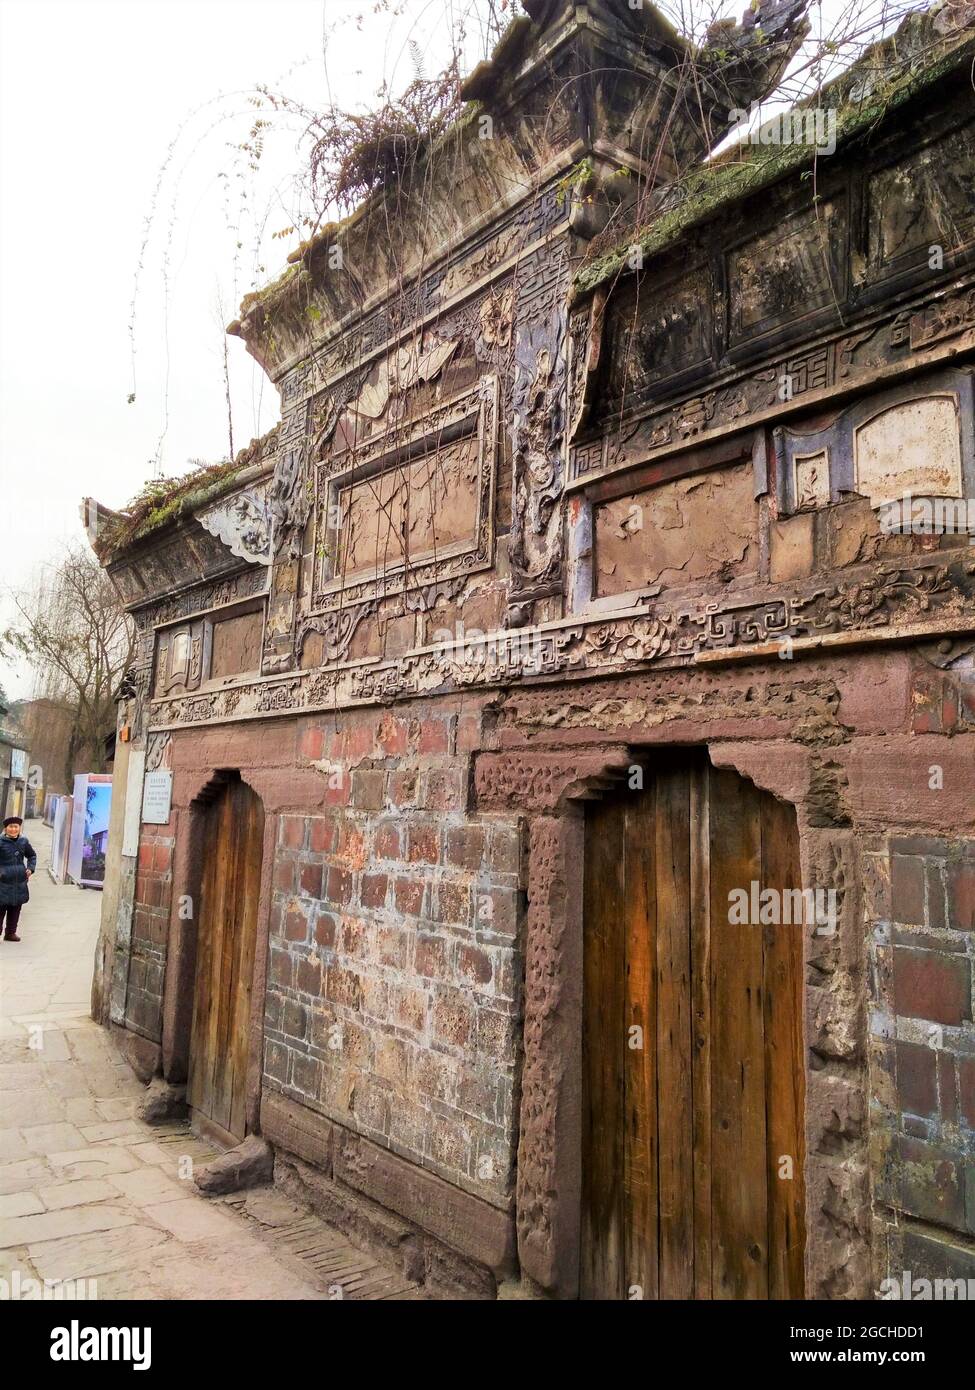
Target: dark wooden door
[(693, 1089), (233, 845)]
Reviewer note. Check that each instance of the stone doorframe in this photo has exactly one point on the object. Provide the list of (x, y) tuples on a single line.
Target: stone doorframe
[(180, 981), (550, 789)]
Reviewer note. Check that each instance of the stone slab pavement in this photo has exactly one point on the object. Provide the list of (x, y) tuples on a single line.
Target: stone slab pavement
[(90, 1192)]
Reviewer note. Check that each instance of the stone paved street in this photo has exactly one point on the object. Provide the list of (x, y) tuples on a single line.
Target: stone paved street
[(87, 1191)]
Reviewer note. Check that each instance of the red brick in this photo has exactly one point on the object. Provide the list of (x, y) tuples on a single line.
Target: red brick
[(369, 789), (474, 965), (145, 855), (284, 876), (353, 937), (308, 976), (966, 1090), (280, 968), (917, 1087), (326, 930), (454, 902), (469, 733), (424, 844), (343, 987), (310, 879), (946, 1088), (907, 890), (162, 858), (408, 1008), (465, 847), (387, 842), (445, 790), (452, 1019), (293, 832), (409, 896), (295, 923), (373, 890), (276, 1062), (321, 839), (430, 957), (339, 885), (338, 795), (391, 946), (961, 896), (359, 742), (434, 736), (932, 986), (403, 788)]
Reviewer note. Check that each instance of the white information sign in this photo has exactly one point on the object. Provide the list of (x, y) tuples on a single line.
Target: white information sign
[(157, 795)]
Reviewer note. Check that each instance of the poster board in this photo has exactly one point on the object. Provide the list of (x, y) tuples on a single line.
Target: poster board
[(61, 810), (89, 828)]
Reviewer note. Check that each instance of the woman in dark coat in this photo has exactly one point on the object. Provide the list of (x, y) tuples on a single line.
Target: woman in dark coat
[(17, 862)]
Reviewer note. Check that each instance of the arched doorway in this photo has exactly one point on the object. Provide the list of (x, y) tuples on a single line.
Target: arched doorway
[(693, 1093), (230, 883)]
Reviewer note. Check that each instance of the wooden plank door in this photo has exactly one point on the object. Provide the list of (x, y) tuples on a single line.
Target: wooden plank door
[(233, 846), (693, 1105)]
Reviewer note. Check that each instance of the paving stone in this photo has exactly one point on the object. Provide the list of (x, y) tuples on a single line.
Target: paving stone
[(72, 1221), (42, 1139), (148, 1186), (80, 1257), (94, 1163), (191, 1218), (76, 1194), (19, 1204)]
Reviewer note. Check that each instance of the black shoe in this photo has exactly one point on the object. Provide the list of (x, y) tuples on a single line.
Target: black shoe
[(11, 938)]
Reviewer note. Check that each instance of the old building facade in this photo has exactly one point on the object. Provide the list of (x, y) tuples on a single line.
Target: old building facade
[(571, 598)]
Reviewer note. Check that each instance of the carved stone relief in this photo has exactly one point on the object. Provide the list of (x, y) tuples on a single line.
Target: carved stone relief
[(243, 522)]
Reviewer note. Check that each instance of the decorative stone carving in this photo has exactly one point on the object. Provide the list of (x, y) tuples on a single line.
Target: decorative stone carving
[(761, 394), (539, 410), (664, 633), (242, 521), (414, 504), (288, 503), (336, 628)]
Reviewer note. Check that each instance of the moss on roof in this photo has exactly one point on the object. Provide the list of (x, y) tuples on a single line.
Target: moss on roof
[(860, 105), (163, 500)]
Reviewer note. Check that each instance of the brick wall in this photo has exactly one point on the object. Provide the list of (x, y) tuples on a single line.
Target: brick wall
[(394, 974), (150, 925), (923, 1043)]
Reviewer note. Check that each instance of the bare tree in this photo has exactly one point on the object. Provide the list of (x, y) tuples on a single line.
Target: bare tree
[(78, 640)]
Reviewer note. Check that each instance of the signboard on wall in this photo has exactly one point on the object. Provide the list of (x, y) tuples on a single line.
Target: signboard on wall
[(157, 795), (18, 763), (133, 802)]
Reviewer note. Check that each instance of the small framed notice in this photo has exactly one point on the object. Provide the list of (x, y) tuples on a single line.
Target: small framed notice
[(157, 795)]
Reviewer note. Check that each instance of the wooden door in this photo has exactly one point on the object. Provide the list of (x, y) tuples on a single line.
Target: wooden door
[(693, 1101), (233, 845)]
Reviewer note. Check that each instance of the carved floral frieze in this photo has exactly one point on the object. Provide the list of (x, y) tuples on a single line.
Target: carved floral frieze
[(661, 633)]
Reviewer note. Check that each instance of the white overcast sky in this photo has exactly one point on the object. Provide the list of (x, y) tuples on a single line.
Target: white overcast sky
[(92, 95)]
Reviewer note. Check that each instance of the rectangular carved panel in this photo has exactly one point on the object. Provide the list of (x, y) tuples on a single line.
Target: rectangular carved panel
[(413, 505), (789, 272), (236, 645), (922, 202), (702, 527)]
